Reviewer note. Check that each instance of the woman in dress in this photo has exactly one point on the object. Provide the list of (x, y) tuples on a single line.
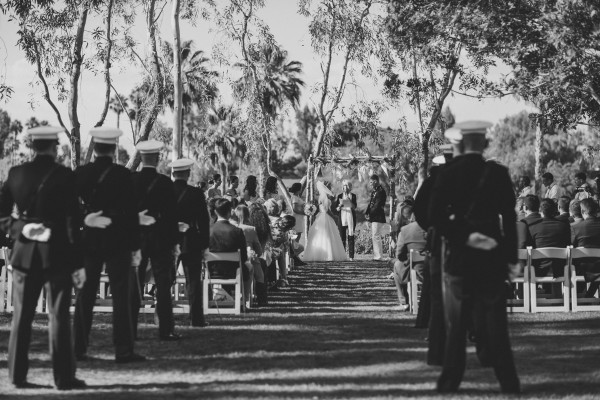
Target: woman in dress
[(324, 241)]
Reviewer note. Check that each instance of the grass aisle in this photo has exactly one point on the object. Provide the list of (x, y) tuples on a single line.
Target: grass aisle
[(334, 334)]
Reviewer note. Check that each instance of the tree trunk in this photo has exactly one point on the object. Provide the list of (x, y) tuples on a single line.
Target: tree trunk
[(74, 89), (177, 92), (119, 120), (156, 101), (539, 143), (223, 178)]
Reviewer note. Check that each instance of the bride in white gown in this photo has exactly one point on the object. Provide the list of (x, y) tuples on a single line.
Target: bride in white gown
[(324, 242)]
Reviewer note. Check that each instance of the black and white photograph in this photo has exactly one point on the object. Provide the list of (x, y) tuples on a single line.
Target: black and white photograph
[(299, 199)]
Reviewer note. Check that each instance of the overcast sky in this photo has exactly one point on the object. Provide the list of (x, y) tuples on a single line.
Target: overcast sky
[(290, 30)]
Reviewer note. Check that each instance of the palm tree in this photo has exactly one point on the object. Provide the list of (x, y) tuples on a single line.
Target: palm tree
[(199, 86), (273, 78), (270, 79), (117, 106)]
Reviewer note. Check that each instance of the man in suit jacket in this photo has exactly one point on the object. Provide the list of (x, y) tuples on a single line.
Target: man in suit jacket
[(587, 234), (563, 210), (531, 208), (225, 238), (110, 234), (192, 215), (345, 205), (549, 232), (467, 198), (47, 252), (411, 237), (375, 214), (159, 234)]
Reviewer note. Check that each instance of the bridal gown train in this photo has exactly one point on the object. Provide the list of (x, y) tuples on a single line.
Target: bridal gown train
[(324, 242)]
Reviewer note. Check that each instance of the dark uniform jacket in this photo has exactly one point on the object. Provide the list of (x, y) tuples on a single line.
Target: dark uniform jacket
[(456, 191), (115, 197), (587, 234), (56, 206), (192, 210), (564, 217), (375, 210), (548, 232), (421, 206), (524, 237), (225, 238), (155, 193)]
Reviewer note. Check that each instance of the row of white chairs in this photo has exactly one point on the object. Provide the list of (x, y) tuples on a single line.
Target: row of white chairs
[(104, 302), (531, 301)]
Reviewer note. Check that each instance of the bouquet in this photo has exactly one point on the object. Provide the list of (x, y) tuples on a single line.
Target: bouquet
[(310, 209)]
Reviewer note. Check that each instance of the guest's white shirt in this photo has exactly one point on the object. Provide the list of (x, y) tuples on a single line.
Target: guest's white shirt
[(554, 192)]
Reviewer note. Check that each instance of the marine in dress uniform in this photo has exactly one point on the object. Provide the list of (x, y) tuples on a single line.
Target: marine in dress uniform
[(375, 214), (431, 310), (110, 234), (192, 215), (156, 204), (45, 254), (468, 198), (346, 208)]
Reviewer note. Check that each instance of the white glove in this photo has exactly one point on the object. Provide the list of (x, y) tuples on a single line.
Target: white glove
[(79, 278), (136, 258), (480, 241), (513, 271), (146, 220), (96, 220), (183, 227)]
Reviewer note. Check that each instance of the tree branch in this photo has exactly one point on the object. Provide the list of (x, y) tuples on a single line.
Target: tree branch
[(45, 84), (106, 67)]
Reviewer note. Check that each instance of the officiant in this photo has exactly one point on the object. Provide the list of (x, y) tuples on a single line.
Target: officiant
[(346, 208)]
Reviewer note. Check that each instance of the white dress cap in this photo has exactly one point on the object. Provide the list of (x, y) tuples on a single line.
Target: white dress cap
[(45, 132), (183, 164), (105, 134), (456, 133), (149, 146)]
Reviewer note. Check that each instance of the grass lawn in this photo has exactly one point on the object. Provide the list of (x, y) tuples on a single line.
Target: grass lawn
[(334, 334)]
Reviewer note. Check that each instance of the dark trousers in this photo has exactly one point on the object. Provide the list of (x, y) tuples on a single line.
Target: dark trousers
[(192, 268), (488, 309), (26, 291), (343, 231), (163, 269), (425, 298), (118, 268), (437, 330)]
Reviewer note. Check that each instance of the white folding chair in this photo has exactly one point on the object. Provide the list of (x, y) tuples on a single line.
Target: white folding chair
[(582, 303), (522, 305), (544, 304), (414, 257), (223, 307)]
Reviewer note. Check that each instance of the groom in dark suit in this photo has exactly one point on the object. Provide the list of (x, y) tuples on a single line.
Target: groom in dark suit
[(224, 237), (375, 214)]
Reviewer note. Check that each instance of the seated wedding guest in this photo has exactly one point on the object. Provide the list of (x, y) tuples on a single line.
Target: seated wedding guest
[(531, 209), (270, 191), (249, 194), (211, 210), (524, 187), (214, 190), (575, 212), (272, 209), (582, 189), (549, 232), (255, 250), (553, 191), (231, 192), (279, 233), (563, 209), (203, 186), (260, 221), (402, 217), (411, 237), (225, 237), (587, 234)]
